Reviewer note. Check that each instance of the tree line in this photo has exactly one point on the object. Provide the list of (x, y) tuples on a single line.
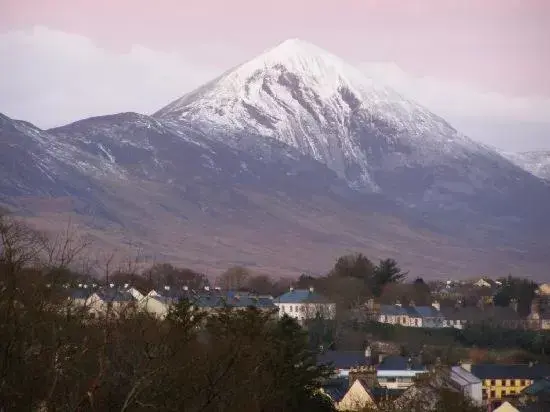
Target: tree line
[(54, 358)]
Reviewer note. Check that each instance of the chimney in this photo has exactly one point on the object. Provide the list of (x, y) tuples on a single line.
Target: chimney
[(436, 305), (368, 352)]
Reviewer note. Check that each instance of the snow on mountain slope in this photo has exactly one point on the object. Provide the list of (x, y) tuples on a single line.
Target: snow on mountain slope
[(35, 161), (308, 98), (537, 163), (374, 138)]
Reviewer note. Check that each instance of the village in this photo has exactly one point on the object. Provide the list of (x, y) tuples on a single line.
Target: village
[(375, 373)]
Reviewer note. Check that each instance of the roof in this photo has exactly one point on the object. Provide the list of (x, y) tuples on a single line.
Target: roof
[(393, 310), (81, 293), (302, 296), (538, 387), (216, 299), (336, 388), (462, 377), (342, 359), (494, 371), (427, 312), (399, 363), (115, 295)]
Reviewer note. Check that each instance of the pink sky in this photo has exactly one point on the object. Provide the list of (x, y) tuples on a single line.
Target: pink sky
[(495, 45)]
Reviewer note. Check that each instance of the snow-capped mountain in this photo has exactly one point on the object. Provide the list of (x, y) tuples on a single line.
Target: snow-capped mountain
[(374, 138), (537, 163), (285, 162)]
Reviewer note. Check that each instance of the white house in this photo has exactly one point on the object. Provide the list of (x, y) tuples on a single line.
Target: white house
[(412, 315), (467, 383), (303, 304), (111, 301)]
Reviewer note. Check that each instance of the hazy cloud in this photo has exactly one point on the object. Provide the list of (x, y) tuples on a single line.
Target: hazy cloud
[(510, 123), (51, 78)]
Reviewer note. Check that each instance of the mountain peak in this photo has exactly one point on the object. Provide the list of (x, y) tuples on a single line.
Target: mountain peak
[(304, 59), (313, 101), (290, 66), (295, 46)]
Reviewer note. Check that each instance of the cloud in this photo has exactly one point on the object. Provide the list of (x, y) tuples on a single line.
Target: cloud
[(51, 77), (507, 122)]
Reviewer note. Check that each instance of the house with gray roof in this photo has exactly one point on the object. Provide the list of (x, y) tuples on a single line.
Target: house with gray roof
[(412, 315), (398, 372), (303, 304), (158, 303), (111, 301), (343, 362)]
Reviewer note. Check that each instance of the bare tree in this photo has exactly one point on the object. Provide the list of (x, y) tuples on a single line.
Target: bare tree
[(234, 278)]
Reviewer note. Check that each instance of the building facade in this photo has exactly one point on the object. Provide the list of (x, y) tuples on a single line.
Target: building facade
[(304, 304)]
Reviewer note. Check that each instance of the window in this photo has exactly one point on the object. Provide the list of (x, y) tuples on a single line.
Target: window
[(493, 394), (493, 382)]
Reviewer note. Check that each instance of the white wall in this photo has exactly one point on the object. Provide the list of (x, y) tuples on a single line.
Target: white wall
[(302, 311)]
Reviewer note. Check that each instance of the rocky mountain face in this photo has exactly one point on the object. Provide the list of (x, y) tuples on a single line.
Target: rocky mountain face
[(370, 136), (536, 163), (284, 163)]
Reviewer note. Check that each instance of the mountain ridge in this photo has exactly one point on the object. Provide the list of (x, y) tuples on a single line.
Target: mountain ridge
[(294, 151)]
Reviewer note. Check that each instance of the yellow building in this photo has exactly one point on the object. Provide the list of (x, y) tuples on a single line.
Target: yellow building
[(506, 381)]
